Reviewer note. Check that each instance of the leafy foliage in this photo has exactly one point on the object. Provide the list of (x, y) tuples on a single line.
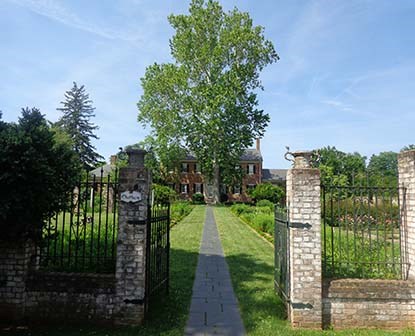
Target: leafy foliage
[(383, 168), (267, 191), (265, 203), (198, 198), (180, 210), (206, 100), (37, 170), (163, 194), (339, 167), (77, 111)]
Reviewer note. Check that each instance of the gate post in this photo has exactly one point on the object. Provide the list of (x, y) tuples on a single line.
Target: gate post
[(134, 189), (406, 169), (304, 211)]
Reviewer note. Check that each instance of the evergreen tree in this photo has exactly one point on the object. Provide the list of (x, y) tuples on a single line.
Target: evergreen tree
[(77, 111)]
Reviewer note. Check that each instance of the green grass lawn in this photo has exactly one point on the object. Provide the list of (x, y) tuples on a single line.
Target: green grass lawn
[(251, 263), (167, 316)]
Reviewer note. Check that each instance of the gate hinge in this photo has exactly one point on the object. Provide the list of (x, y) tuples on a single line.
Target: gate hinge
[(134, 301), (300, 305), (299, 225), (137, 222)]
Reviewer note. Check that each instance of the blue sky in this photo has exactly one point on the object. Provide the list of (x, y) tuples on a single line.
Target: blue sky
[(345, 78)]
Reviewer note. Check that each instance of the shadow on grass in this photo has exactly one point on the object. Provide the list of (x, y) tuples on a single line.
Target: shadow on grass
[(253, 284), (167, 314)]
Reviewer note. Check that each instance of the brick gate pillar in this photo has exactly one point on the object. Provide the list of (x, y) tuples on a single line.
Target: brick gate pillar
[(304, 211), (134, 189), (406, 168)]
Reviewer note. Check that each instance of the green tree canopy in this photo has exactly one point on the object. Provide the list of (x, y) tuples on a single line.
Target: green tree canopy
[(37, 171), (383, 168), (77, 111), (206, 100), (340, 167)]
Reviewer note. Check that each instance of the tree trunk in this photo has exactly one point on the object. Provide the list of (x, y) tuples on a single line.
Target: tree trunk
[(216, 185)]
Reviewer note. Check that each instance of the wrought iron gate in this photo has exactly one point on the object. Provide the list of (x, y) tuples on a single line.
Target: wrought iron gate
[(282, 253), (158, 250)]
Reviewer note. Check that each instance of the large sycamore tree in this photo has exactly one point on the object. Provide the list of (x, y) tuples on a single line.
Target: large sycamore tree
[(206, 101)]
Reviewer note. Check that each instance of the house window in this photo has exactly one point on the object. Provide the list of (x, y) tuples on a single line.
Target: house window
[(197, 168), (185, 167), (250, 169), (184, 188), (198, 188), (237, 189)]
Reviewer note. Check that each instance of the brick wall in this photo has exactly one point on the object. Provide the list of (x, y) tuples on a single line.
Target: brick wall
[(69, 297), (14, 266), (34, 296), (384, 304)]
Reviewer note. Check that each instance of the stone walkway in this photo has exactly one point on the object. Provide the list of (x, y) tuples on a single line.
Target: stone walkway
[(214, 309)]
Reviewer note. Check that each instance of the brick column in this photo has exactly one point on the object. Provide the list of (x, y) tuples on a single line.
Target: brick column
[(134, 188), (303, 202), (15, 261), (406, 168)]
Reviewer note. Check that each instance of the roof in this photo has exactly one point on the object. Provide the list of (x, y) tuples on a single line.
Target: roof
[(269, 175), (106, 170), (250, 154)]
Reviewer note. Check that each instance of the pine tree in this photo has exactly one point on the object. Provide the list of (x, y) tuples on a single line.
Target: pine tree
[(77, 111)]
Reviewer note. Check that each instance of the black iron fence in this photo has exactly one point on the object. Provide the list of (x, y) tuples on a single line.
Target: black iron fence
[(83, 238), (158, 250), (281, 250), (362, 234)]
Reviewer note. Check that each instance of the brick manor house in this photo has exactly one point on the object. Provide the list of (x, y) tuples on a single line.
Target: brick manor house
[(192, 181)]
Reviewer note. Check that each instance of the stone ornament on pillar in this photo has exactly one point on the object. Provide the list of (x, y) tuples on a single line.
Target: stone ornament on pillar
[(301, 159)]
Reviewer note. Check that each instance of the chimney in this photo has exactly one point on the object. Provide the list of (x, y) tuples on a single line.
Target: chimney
[(258, 144), (113, 160)]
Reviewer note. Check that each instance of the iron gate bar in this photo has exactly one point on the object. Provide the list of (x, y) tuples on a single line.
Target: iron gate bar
[(157, 251), (281, 249)]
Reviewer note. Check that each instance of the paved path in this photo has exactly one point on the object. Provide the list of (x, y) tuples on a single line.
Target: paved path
[(214, 309)]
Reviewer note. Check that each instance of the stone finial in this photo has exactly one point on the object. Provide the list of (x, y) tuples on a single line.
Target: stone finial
[(135, 157), (301, 159)]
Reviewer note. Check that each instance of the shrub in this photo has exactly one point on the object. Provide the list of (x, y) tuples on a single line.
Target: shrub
[(179, 210), (264, 223), (240, 208), (267, 191), (163, 194), (198, 198), (37, 173), (265, 203)]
